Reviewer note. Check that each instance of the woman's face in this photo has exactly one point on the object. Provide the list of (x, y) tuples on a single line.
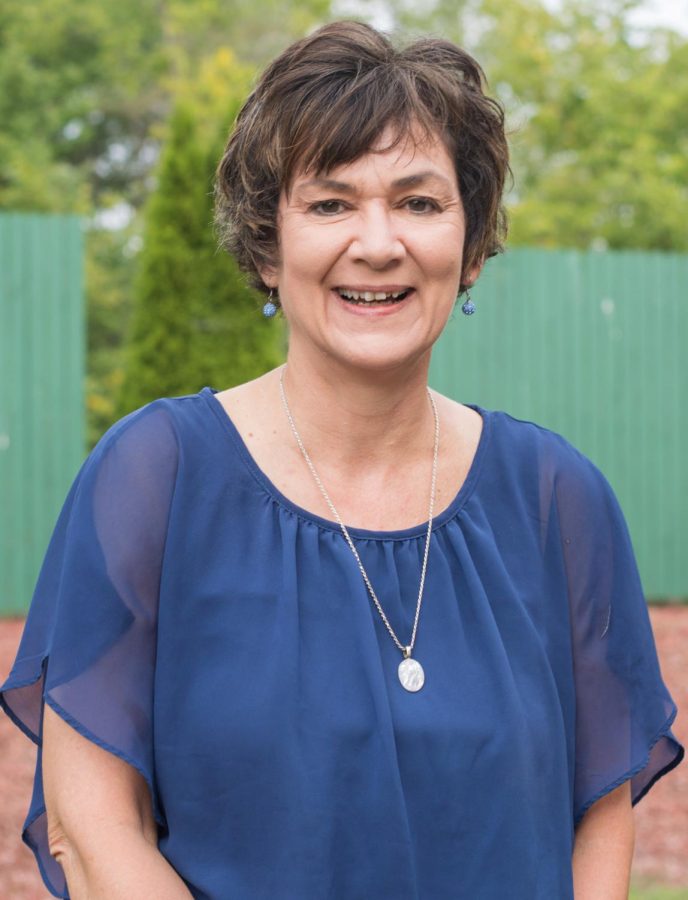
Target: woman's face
[(387, 223)]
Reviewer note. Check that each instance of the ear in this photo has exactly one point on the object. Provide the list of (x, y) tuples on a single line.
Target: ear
[(472, 274), (269, 276)]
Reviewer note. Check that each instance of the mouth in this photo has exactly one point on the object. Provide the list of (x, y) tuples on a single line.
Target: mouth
[(371, 298)]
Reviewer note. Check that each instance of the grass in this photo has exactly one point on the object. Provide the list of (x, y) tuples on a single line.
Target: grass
[(644, 891)]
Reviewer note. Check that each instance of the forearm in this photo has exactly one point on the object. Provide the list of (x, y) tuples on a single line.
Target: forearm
[(603, 849), (126, 866)]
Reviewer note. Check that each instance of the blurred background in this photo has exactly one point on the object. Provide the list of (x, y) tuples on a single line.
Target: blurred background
[(113, 116)]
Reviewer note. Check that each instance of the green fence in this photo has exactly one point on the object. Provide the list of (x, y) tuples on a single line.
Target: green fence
[(42, 350), (594, 346), (591, 345)]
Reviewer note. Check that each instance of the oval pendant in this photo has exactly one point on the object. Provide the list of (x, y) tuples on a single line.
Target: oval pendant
[(411, 674)]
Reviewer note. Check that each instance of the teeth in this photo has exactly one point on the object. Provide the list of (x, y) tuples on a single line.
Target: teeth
[(368, 296)]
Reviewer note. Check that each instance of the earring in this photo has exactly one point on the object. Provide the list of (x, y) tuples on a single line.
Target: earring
[(468, 307), (269, 309)]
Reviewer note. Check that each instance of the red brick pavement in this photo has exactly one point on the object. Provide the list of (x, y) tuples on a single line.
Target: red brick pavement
[(661, 846), (661, 851)]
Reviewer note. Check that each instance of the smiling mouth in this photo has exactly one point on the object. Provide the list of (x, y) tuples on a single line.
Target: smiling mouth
[(373, 298)]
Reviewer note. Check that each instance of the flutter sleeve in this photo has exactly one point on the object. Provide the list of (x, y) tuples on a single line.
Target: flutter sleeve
[(89, 642), (624, 711)]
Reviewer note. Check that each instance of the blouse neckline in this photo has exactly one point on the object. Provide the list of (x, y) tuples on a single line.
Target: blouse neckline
[(416, 531)]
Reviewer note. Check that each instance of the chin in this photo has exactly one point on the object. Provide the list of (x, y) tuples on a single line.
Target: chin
[(379, 359)]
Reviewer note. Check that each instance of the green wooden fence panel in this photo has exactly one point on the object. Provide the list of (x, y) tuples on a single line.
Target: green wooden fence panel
[(593, 346), (42, 421)]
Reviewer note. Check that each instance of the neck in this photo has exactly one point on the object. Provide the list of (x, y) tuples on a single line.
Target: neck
[(359, 421)]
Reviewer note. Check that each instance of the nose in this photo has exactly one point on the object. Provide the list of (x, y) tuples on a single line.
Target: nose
[(376, 239)]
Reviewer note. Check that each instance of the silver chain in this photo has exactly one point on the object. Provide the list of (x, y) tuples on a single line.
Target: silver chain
[(406, 650)]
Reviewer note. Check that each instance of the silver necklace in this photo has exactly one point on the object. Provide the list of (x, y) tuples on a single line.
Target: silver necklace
[(411, 673)]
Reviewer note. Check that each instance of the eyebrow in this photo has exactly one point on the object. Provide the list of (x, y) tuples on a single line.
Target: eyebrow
[(407, 181)]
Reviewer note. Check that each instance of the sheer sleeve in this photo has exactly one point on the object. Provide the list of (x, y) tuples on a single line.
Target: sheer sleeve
[(89, 641), (624, 711)]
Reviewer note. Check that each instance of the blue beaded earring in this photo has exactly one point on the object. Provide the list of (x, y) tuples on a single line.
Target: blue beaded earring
[(468, 307), (269, 309)]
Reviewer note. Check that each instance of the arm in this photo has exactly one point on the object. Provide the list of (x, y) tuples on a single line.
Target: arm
[(100, 821), (603, 848)]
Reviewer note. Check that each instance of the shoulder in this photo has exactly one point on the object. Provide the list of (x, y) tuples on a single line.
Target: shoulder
[(143, 441), (535, 452), (551, 448)]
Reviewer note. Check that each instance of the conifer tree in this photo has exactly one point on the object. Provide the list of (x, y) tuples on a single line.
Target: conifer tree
[(195, 320)]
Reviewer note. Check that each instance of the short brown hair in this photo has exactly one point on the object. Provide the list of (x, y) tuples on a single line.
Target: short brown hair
[(326, 100)]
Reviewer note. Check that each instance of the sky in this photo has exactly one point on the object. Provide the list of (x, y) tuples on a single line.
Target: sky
[(667, 13), (672, 13)]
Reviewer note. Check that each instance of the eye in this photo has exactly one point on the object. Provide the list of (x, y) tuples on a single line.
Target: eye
[(422, 204), (327, 207)]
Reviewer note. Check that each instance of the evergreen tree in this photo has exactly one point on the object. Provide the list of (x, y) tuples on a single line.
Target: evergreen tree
[(195, 321)]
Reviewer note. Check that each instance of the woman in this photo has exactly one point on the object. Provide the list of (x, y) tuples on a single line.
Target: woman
[(243, 698)]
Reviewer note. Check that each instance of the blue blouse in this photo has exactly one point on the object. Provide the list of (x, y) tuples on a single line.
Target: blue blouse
[(194, 621)]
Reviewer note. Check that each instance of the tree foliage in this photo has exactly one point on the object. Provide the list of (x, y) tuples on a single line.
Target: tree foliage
[(79, 88), (601, 136), (195, 321), (85, 87)]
